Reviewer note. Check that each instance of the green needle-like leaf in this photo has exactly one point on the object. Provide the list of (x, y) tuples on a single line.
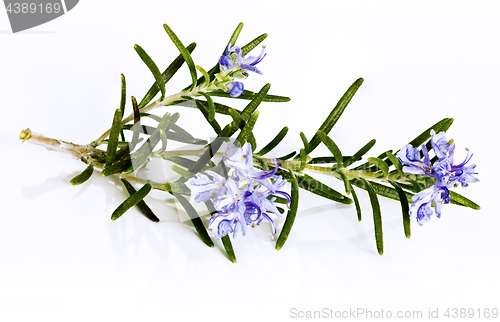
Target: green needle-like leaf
[(131, 201), (153, 116), (205, 74), (234, 37), (290, 217), (181, 138), (142, 154), (334, 149), (335, 114), (441, 126), (382, 190), (462, 201), (164, 141), (124, 95), (167, 75), (184, 173), (303, 159), (153, 68), (347, 184), (143, 207), (120, 166), (113, 137), (137, 123), (287, 156), (274, 142), (405, 208), (211, 107), (304, 141), (84, 176), (312, 185), (254, 43), (356, 202), (366, 166), (183, 162), (195, 219), (377, 217), (184, 52), (146, 129), (204, 108), (245, 134), (223, 109), (252, 106), (323, 160), (238, 120), (248, 95), (261, 163), (380, 164), (358, 155), (226, 241), (395, 161), (181, 132)]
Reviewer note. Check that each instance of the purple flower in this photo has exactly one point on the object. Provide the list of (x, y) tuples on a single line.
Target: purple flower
[(245, 197), (440, 145), (234, 65), (241, 159), (445, 173), (202, 188), (422, 201), (234, 58), (410, 157)]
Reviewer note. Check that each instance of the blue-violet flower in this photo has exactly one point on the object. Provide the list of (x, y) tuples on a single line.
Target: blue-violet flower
[(244, 197), (235, 65), (445, 173)]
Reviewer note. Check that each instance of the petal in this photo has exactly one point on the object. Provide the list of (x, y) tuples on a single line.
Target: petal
[(286, 195), (201, 188), (221, 224), (251, 60), (424, 213), (440, 144), (408, 154), (226, 63), (239, 55), (235, 89), (251, 68), (426, 155), (252, 212), (247, 151), (240, 218), (268, 205), (232, 187), (273, 226), (217, 177), (413, 170), (467, 159)]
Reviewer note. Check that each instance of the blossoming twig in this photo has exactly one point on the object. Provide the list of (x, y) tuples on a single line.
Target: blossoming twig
[(246, 188)]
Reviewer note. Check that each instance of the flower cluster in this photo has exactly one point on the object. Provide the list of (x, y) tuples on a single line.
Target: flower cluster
[(234, 65), (242, 197), (445, 173)]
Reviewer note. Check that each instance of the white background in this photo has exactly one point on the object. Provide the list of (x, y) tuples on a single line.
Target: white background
[(63, 259)]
